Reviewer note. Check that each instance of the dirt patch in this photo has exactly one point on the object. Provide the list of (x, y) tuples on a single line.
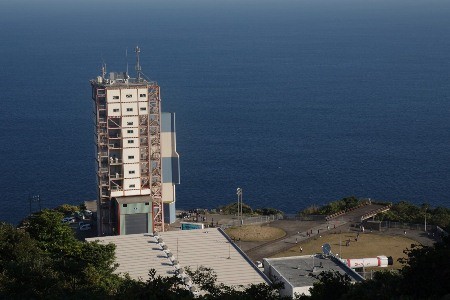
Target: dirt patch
[(368, 245), (255, 233)]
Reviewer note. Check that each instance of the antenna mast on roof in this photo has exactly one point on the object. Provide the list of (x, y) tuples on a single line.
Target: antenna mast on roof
[(138, 66), (126, 58), (103, 70)]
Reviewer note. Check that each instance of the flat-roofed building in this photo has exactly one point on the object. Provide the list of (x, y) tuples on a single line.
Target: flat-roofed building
[(297, 272), (138, 253)]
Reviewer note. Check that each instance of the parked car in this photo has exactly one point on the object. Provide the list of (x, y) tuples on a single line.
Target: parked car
[(79, 215), (85, 227), (68, 220)]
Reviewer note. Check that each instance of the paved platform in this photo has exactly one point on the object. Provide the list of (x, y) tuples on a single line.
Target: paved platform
[(296, 232), (303, 230)]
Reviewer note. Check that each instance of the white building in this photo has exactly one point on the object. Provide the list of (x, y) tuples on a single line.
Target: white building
[(137, 162), (171, 251), (298, 272)]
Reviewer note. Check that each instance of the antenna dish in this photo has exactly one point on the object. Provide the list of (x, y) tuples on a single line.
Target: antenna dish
[(326, 249)]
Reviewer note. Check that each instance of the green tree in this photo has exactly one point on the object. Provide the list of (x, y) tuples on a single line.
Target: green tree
[(232, 208), (332, 207), (48, 230), (69, 267), (67, 209), (156, 287), (331, 285), (267, 211), (384, 286), (25, 270), (426, 273), (441, 217)]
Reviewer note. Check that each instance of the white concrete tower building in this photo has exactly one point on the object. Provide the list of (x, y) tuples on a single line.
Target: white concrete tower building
[(137, 162)]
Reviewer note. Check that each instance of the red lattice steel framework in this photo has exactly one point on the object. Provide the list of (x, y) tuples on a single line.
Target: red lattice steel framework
[(150, 156), (103, 172), (154, 128)]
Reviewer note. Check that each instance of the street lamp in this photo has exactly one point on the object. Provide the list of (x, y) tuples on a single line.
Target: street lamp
[(239, 200), (426, 219)]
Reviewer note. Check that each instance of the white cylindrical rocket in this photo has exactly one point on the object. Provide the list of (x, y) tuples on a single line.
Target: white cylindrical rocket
[(379, 261)]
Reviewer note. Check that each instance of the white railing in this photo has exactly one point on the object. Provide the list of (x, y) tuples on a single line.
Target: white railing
[(115, 160)]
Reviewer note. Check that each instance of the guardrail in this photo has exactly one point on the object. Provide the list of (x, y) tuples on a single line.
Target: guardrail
[(335, 215), (342, 212), (377, 211)]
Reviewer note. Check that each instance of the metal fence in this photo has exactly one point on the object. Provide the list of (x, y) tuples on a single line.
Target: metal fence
[(304, 218), (401, 225), (250, 220)]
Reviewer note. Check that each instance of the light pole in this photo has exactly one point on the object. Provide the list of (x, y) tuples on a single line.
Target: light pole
[(426, 219), (239, 206)]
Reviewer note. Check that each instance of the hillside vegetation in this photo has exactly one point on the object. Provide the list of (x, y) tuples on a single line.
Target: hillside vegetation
[(400, 212)]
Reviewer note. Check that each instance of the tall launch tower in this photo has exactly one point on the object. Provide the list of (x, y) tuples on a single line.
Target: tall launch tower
[(137, 162)]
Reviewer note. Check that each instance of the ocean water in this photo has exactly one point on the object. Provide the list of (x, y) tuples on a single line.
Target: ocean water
[(296, 102)]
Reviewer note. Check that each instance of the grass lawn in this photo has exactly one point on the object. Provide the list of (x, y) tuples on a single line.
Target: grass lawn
[(255, 233), (368, 245)]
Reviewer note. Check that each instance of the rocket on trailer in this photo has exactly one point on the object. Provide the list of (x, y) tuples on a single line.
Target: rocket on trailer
[(379, 261)]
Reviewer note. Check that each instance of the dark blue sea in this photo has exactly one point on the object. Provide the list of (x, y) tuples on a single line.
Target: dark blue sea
[(297, 102)]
